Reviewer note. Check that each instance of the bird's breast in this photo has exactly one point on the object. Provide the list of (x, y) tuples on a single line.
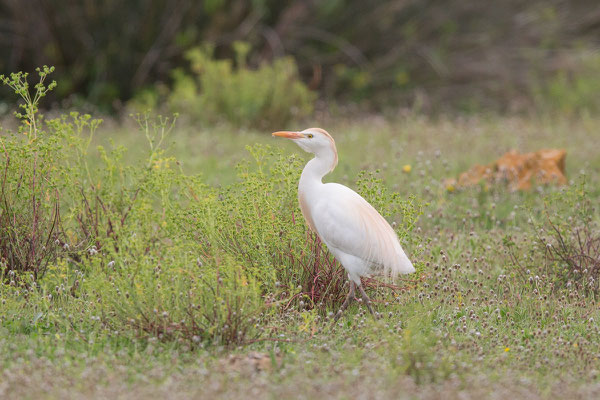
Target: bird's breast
[(306, 210)]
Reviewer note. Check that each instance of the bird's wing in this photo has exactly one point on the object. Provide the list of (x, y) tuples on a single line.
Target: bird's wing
[(346, 221)]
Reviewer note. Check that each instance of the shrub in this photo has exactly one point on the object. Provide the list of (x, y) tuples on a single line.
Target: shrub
[(570, 237), (393, 206), (152, 280), (108, 236), (217, 90), (567, 242), (30, 228), (258, 221), (173, 297)]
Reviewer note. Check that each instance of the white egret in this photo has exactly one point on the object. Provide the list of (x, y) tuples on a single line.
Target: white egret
[(354, 232)]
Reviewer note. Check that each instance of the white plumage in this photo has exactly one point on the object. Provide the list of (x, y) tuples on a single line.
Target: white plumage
[(348, 224), (354, 232)]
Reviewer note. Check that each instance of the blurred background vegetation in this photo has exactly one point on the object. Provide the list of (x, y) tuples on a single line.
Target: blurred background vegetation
[(250, 61)]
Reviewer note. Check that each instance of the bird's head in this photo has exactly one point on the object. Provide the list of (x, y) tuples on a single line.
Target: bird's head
[(312, 140)]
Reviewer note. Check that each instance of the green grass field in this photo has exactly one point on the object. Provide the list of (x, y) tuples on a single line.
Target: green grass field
[(489, 314)]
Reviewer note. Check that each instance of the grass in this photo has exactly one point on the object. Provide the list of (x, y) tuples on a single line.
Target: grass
[(377, 143), (477, 324)]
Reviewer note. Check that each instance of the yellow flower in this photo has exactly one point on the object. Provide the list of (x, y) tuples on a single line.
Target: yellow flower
[(161, 163), (506, 349), (407, 168), (450, 184)]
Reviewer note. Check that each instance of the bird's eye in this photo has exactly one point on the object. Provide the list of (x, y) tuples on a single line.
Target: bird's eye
[(310, 136)]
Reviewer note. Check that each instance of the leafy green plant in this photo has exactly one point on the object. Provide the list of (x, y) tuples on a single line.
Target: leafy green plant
[(30, 231), (392, 205), (174, 299), (115, 200), (566, 242), (258, 221), (219, 90), (18, 82), (570, 238), (127, 215), (103, 237)]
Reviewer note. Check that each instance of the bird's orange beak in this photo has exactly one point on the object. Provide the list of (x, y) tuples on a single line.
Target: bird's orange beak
[(289, 135)]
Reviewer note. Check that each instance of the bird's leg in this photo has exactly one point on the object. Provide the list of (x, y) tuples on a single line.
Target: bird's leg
[(346, 302), (366, 299)]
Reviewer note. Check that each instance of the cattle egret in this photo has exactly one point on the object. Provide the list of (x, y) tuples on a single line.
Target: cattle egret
[(354, 232)]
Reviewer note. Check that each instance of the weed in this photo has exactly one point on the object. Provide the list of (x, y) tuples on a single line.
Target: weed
[(30, 231), (569, 237), (18, 82)]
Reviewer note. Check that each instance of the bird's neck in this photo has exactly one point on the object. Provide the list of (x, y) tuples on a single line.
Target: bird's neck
[(316, 169)]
